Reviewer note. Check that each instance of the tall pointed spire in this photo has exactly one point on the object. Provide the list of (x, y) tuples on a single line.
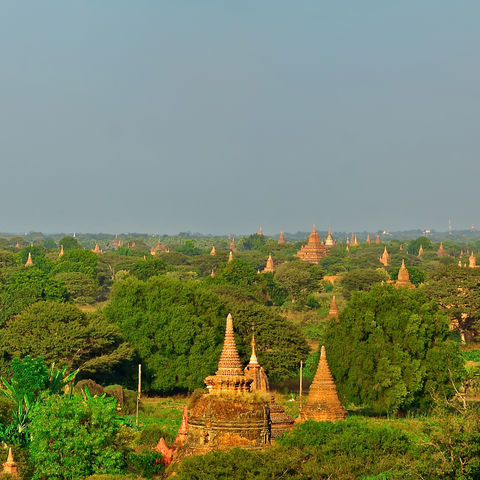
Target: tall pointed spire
[(213, 252), (229, 375), (233, 247), (96, 249), (230, 256), (253, 356), (322, 402), (314, 250), (260, 232), (281, 238), (377, 238), (212, 273), (441, 251), (60, 255), (420, 251), (29, 262), (355, 240), (182, 434), (254, 371), (472, 261), (368, 241)]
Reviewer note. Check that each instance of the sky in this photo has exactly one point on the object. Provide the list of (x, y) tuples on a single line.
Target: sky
[(224, 116)]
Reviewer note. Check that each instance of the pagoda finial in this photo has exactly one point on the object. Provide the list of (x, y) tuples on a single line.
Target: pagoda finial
[(281, 238), (29, 262), (313, 229), (253, 356), (260, 232)]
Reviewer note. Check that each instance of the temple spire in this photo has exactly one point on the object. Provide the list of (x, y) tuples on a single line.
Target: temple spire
[(368, 241), (253, 356), (10, 466), (472, 261), (230, 256), (270, 267), (281, 238), (333, 312), (260, 232), (60, 255), (377, 238), (213, 251), (403, 279), (420, 251)]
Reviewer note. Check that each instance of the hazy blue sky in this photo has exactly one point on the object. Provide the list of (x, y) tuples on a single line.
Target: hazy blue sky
[(221, 116)]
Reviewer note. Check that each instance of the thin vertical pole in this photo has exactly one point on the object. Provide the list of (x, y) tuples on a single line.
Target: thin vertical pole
[(301, 385), (139, 390)]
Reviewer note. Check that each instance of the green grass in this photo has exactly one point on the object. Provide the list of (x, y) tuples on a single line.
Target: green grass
[(471, 355)]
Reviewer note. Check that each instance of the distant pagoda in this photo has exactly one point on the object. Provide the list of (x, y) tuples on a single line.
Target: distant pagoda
[(314, 250), (420, 251), (230, 256), (403, 279), (385, 258), (333, 312), (97, 249), (377, 239), (368, 241), (213, 252), (116, 243), (441, 252), (60, 255), (233, 247), (355, 240), (322, 402), (270, 267), (281, 238), (158, 248), (260, 232)]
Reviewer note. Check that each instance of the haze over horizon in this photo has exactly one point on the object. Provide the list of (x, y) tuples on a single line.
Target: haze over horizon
[(223, 117)]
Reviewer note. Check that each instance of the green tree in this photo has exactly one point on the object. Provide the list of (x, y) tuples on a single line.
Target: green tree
[(298, 279), (76, 260), (73, 438), (362, 280), (391, 350), (25, 287), (239, 272), (189, 248), (62, 333), (414, 246), (457, 291), (151, 267), (70, 243), (81, 287)]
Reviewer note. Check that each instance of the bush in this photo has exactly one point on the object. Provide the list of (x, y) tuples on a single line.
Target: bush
[(146, 463), (151, 434)]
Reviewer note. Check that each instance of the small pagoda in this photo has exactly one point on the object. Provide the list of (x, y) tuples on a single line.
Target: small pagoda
[(322, 402), (385, 258), (441, 252), (281, 238), (280, 421), (116, 243), (213, 252), (377, 239), (420, 251), (314, 250), (230, 256), (403, 279), (355, 240), (60, 255), (260, 232), (270, 267), (233, 247), (10, 466), (333, 312), (97, 249), (368, 241), (159, 248)]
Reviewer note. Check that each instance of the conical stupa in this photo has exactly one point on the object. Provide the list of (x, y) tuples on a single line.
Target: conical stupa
[(255, 372), (260, 232), (281, 238), (355, 240), (230, 375), (182, 434), (322, 402), (368, 241), (420, 251), (212, 273), (377, 239), (230, 256), (29, 262), (60, 255), (213, 252), (96, 249), (472, 261), (233, 247)]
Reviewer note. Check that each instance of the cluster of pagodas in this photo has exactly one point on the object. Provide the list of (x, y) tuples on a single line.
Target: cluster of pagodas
[(238, 408)]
